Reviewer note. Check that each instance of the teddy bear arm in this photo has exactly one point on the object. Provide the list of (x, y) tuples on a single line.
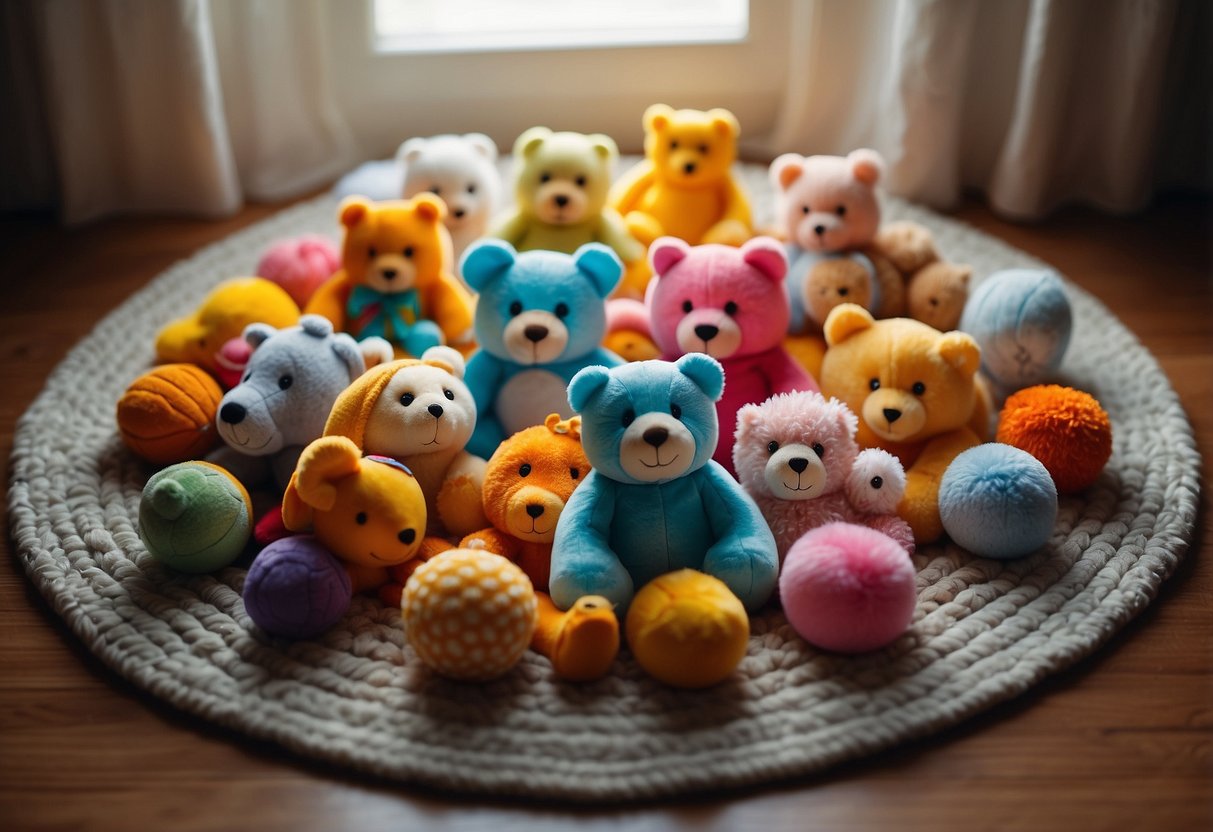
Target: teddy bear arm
[(329, 300), (785, 375), (612, 232), (460, 501), (513, 229), (451, 309), (583, 562), (735, 225), (894, 527), (920, 505), (492, 540), (744, 555), (626, 194), (908, 245)]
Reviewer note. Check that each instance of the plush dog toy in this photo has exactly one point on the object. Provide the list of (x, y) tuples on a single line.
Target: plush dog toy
[(419, 412), (916, 393), (560, 186), (539, 320), (462, 171), (730, 304), (395, 279), (283, 399), (527, 483), (655, 501), (223, 315), (797, 457)]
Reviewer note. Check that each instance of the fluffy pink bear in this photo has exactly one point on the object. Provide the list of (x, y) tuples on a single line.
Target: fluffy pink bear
[(796, 455), (729, 303)]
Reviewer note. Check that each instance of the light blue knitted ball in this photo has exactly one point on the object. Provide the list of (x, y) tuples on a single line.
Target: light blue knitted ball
[(1021, 319), (998, 501)]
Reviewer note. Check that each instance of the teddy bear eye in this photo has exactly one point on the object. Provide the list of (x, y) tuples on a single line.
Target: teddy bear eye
[(674, 144), (472, 188), (361, 518), (574, 473), (675, 411), (516, 308), (703, 148), (524, 470), (450, 395), (407, 536), (819, 449), (408, 251), (918, 389), (772, 446), (874, 384), (877, 482), (284, 382), (629, 416), (580, 180), (730, 308), (247, 376), (372, 253), (545, 177), (804, 209), (407, 399), (562, 310), (687, 306), (841, 210)]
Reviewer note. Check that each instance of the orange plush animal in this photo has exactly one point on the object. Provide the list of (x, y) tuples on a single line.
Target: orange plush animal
[(526, 484), (395, 279), (368, 511)]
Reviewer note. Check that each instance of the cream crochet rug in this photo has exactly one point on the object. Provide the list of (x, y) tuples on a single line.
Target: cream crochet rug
[(984, 631)]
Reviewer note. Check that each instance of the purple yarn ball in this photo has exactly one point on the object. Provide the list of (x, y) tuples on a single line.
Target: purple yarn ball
[(296, 588)]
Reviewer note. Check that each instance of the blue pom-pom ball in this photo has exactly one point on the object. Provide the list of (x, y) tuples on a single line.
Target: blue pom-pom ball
[(998, 501), (296, 588), (1021, 319)]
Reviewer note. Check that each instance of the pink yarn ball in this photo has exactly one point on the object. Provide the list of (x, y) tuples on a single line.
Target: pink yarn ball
[(300, 265), (848, 588)]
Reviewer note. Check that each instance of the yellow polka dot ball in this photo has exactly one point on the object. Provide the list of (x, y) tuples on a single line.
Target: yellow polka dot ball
[(469, 614)]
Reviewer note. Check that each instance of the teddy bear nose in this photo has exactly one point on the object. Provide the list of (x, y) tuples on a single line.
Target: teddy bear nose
[(798, 464), (435, 410), (843, 292), (819, 229), (891, 415), (535, 332), (655, 436), (459, 212), (407, 536), (561, 200), (706, 332), (388, 274), (689, 167), (232, 413), (534, 510)]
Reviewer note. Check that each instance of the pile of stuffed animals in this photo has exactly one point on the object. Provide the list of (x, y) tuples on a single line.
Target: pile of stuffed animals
[(617, 406)]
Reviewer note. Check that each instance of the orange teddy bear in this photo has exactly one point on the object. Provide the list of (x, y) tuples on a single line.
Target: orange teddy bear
[(526, 485)]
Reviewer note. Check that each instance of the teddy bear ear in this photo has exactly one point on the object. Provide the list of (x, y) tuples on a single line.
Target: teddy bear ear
[(786, 169), (748, 418), (960, 350), (257, 334), (347, 349), (530, 140), (866, 165), (601, 265), (374, 351), (586, 384), (845, 417), (353, 210), (705, 371), (604, 146), (766, 254), (482, 144), (410, 150), (486, 260), (296, 514), (844, 321), (724, 122), (667, 252), (429, 207), (447, 358), (322, 463), (657, 117)]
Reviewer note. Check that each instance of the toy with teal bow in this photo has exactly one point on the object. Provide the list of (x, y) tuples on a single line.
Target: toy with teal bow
[(395, 316)]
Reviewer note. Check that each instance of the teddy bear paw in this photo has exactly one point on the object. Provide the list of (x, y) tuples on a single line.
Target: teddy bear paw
[(587, 640)]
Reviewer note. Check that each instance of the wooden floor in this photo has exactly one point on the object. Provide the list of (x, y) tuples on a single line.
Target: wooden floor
[(1122, 741)]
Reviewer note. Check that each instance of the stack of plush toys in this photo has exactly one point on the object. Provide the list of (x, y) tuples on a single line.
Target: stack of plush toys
[(613, 405)]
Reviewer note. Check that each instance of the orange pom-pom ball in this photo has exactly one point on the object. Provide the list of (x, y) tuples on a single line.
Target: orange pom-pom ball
[(1064, 428), (167, 415)]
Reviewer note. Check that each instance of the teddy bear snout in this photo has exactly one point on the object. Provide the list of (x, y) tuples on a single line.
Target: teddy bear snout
[(232, 413), (795, 472)]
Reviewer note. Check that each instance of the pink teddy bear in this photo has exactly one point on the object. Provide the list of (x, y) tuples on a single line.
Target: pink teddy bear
[(730, 304), (797, 457)]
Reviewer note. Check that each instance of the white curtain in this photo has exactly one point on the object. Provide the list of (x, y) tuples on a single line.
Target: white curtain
[(1034, 102), (184, 106)]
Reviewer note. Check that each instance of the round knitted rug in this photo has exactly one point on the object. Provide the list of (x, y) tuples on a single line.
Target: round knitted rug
[(984, 630)]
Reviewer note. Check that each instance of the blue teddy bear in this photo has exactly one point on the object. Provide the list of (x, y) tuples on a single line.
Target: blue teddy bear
[(540, 318), (655, 501)]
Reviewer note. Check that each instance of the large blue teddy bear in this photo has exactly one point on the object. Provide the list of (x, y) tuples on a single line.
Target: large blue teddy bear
[(540, 318), (655, 500)]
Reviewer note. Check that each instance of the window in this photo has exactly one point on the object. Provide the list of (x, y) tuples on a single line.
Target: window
[(421, 26)]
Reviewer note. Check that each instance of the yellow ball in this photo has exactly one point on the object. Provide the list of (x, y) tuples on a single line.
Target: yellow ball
[(687, 629), (469, 614)]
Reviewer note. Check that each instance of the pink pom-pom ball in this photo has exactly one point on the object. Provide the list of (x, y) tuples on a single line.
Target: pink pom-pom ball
[(848, 588), (300, 265)]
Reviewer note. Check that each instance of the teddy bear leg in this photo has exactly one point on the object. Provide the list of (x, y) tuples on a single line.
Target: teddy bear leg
[(920, 508), (421, 336), (460, 506), (582, 641)]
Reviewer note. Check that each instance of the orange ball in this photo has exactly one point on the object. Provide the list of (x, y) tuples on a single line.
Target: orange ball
[(167, 415), (1064, 428)]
